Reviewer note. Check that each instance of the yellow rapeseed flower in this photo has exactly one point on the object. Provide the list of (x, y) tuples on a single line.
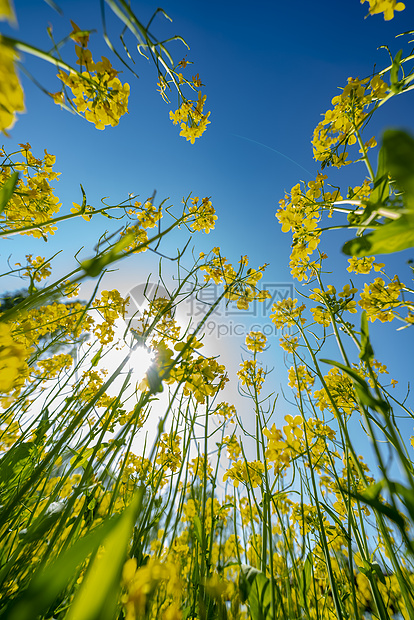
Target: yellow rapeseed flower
[(7, 11), (97, 92), (256, 341), (13, 357), (11, 92), (384, 6)]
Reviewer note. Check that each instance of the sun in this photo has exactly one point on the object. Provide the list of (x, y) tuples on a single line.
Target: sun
[(126, 352)]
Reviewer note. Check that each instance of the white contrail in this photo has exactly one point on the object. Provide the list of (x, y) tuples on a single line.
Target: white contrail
[(272, 149)]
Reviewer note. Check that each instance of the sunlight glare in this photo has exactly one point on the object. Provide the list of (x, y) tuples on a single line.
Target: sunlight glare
[(140, 360)]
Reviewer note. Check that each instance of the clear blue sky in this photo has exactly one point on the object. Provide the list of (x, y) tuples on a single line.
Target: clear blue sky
[(270, 69)]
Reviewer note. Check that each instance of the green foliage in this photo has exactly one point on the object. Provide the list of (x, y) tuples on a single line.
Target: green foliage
[(49, 582), (256, 589), (98, 594), (6, 192), (395, 161)]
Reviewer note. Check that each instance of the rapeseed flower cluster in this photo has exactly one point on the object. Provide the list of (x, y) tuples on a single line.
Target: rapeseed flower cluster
[(380, 300), (289, 343), (33, 203), (300, 378), (11, 92), (340, 126), (190, 114), (97, 92), (201, 377), (135, 469), (157, 325), (147, 217), (286, 314), (338, 393), (191, 118), (248, 473), (252, 375), (363, 265), (7, 11), (52, 366), (233, 447), (111, 307), (242, 289), (228, 412), (300, 212), (256, 342), (169, 453), (37, 268), (277, 451), (333, 304), (68, 321), (202, 215)]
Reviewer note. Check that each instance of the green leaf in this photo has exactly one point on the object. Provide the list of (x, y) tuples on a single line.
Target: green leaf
[(386, 239), (366, 352), (255, 588), (198, 529), (370, 496), (406, 496), (349, 371), (305, 579), (396, 64), (94, 266), (377, 570), (49, 582), (6, 192), (372, 568), (381, 189), (399, 161), (81, 459), (396, 159), (97, 598), (9, 462), (154, 380), (43, 523), (96, 357), (373, 491)]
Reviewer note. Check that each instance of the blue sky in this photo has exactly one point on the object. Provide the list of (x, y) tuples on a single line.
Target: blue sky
[(270, 69)]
